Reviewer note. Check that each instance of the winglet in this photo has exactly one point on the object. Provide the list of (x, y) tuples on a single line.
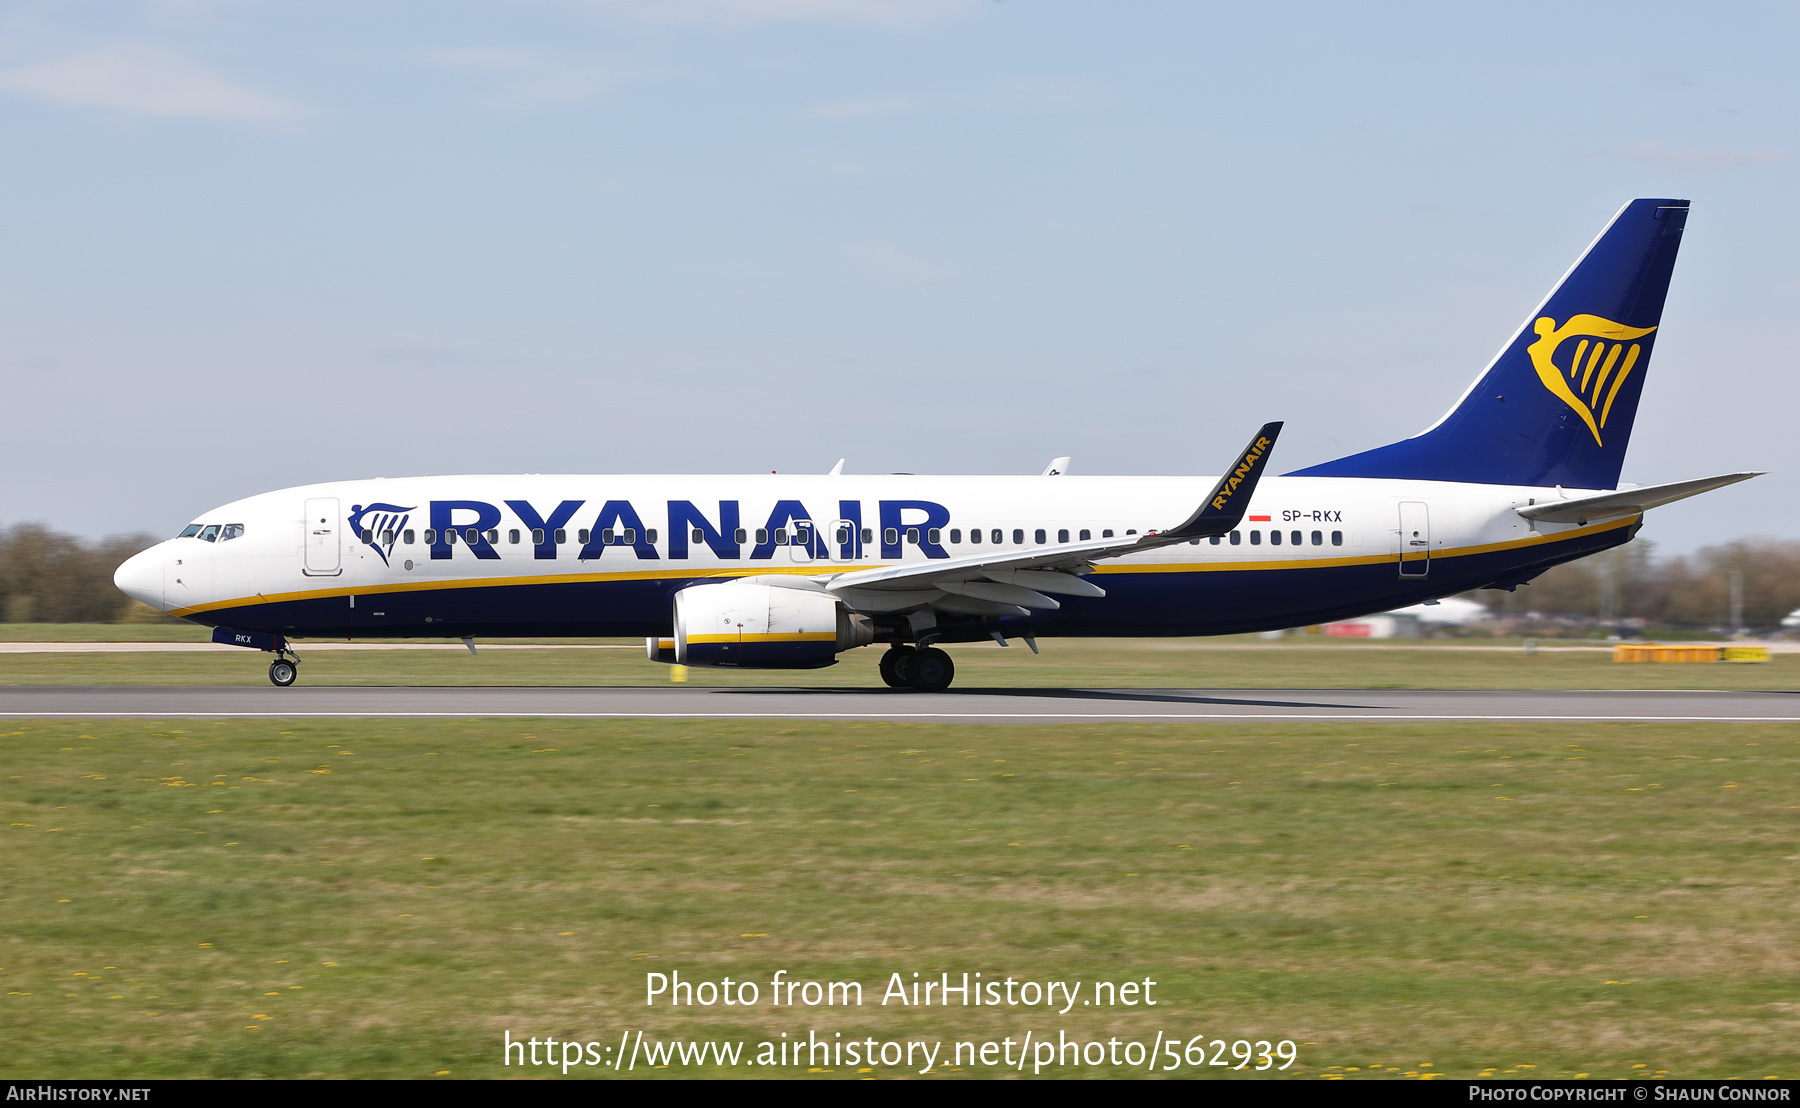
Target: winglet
[(1224, 507)]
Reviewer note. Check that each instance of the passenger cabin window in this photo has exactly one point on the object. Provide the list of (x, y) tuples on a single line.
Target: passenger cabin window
[(1062, 535), (975, 535), (890, 535), (562, 536), (1337, 538), (912, 535), (650, 536), (1018, 536), (231, 531), (368, 535), (210, 534), (803, 535), (407, 537), (762, 536), (1237, 538), (1215, 539), (537, 536), (582, 536), (449, 536), (1256, 538), (1086, 534), (493, 536), (512, 537), (699, 535), (1106, 534), (842, 538), (781, 537), (955, 535), (387, 538), (607, 537), (934, 536), (1318, 538), (997, 535), (740, 536), (1040, 537), (868, 534), (430, 537), (189, 531), (1274, 538), (1294, 537)]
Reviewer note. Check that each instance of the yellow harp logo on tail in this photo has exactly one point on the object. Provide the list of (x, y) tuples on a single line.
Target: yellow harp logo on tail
[(1597, 366)]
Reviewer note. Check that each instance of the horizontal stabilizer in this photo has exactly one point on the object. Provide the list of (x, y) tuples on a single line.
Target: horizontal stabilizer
[(1627, 501)]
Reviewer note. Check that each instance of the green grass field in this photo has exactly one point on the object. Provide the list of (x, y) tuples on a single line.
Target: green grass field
[(386, 899)]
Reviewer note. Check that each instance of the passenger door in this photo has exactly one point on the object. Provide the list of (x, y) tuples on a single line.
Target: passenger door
[(1415, 539), (320, 529)]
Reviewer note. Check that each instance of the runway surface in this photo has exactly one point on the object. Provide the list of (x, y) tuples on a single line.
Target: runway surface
[(958, 706)]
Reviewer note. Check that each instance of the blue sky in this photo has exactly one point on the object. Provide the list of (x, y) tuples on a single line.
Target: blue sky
[(253, 243)]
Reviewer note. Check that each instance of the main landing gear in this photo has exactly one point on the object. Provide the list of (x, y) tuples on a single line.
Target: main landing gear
[(284, 671), (926, 668)]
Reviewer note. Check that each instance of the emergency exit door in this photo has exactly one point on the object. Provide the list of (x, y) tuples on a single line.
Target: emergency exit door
[(320, 529), (1415, 539)]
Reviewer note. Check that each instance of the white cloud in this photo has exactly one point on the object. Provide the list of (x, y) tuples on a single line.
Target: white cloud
[(734, 13), (144, 79), (531, 79), (1678, 157)]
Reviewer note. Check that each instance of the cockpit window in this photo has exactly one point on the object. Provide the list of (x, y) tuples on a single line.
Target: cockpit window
[(231, 531), (211, 533), (189, 531)]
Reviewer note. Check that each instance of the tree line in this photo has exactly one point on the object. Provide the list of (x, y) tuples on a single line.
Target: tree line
[(1691, 591), (47, 576)]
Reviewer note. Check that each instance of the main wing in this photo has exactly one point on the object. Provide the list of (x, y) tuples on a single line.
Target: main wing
[(1015, 581)]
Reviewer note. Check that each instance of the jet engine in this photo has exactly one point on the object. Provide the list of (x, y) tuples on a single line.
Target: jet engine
[(762, 624)]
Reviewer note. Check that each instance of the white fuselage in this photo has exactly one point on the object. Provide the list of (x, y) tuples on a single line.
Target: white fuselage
[(371, 557)]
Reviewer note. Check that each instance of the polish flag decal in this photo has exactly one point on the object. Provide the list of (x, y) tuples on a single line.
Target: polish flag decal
[(1259, 519)]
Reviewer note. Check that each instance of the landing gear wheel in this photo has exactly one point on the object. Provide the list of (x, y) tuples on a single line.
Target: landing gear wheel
[(896, 667), (283, 672), (932, 670)]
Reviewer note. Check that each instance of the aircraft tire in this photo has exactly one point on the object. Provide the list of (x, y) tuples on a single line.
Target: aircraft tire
[(896, 667), (283, 673), (931, 670)]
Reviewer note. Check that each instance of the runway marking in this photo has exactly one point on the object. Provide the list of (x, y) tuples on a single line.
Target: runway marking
[(1383, 717)]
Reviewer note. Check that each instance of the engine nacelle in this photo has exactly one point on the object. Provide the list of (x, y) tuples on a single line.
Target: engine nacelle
[(763, 626)]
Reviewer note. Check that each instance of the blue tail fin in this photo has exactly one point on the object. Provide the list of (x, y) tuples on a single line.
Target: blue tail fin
[(1556, 406)]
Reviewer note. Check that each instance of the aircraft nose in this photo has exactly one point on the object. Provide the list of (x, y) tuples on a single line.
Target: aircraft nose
[(141, 577)]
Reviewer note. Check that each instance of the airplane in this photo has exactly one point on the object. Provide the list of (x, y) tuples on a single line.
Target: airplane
[(786, 571)]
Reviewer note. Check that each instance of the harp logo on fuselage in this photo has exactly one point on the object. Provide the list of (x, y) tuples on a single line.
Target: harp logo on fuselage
[(378, 525), (1599, 360)]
